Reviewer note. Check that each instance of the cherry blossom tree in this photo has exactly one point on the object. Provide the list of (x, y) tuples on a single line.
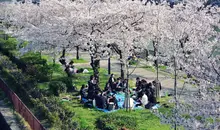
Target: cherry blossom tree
[(187, 44)]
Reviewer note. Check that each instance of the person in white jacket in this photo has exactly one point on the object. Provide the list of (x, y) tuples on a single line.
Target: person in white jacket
[(144, 100)]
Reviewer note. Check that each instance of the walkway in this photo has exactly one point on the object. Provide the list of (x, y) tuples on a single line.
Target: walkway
[(7, 112)]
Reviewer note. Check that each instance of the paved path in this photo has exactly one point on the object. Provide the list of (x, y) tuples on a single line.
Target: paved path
[(9, 116)]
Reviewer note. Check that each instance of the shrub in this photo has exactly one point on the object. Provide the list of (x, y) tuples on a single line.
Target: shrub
[(9, 44), (37, 67), (33, 58), (115, 121), (57, 87), (67, 81), (56, 68), (39, 73)]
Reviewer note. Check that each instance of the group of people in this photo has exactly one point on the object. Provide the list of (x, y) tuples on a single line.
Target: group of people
[(92, 92), (143, 94), (70, 68)]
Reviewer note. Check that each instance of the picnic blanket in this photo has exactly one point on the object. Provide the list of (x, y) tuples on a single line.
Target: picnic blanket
[(121, 98)]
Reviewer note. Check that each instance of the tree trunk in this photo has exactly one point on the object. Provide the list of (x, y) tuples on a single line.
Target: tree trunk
[(95, 64), (155, 53), (146, 55), (63, 53), (95, 67), (175, 92), (91, 62), (54, 58), (77, 52), (109, 65), (175, 79), (41, 54), (122, 67), (157, 89), (156, 61), (128, 108)]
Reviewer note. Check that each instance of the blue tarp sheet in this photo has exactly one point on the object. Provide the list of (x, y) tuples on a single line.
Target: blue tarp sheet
[(120, 97)]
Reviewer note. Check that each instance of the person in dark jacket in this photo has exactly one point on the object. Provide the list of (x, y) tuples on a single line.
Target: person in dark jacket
[(100, 100), (83, 91), (138, 84), (111, 82), (92, 87), (119, 85)]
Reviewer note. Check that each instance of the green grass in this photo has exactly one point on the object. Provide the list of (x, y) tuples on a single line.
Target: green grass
[(162, 67), (217, 88), (89, 118), (133, 120), (133, 62), (153, 69), (79, 79), (86, 117), (48, 58), (80, 60), (149, 68)]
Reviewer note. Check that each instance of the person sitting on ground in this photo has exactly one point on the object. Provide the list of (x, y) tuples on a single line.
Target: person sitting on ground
[(152, 101), (143, 85), (119, 84), (112, 100), (142, 89), (107, 87), (91, 87), (71, 64), (152, 88), (138, 84), (111, 81), (70, 69), (107, 94), (144, 99), (83, 91), (100, 100)]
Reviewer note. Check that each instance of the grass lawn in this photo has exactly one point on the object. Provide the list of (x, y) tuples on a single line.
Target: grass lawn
[(80, 60), (92, 119)]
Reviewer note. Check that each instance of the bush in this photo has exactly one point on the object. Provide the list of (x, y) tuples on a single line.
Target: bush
[(67, 81), (37, 67), (116, 121), (57, 87), (56, 68), (33, 58), (39, 73), (9, 44)]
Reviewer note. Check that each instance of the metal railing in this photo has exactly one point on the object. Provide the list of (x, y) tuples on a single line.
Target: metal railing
[(21, 108)]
